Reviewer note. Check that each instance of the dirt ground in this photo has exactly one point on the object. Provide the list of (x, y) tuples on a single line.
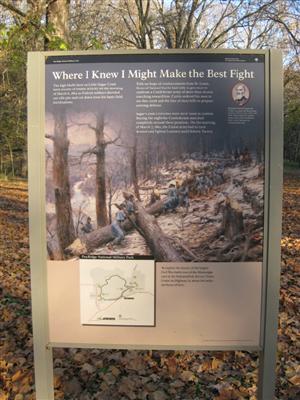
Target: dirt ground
[(112, 374)]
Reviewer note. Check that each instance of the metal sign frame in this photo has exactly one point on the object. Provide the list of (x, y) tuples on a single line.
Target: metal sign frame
[(272, 220)]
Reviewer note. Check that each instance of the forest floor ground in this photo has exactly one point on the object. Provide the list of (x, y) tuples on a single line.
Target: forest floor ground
[(153, 375)]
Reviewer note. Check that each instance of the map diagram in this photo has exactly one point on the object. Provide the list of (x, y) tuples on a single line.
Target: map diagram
[(117, 292)]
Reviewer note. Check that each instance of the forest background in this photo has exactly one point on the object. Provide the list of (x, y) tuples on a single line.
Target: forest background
[(38, 25)]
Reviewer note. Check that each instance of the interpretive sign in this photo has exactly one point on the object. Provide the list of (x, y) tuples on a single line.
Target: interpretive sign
[(155, 173), (159, 157)]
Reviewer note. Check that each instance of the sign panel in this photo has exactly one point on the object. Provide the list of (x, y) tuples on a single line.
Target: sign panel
[(155, 199)]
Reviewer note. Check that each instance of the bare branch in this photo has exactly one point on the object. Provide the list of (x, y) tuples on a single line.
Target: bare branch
[(239, 21), (88, 152), (12, 8), (222, 17), (17, 12), (113, 141), (286, 27)]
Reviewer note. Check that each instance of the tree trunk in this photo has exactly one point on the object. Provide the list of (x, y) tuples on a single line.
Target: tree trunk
[(101, 210), (64, 220), (54, 251), (253, 197), (232, 223), (110, 197), (95, 239), (11, 156), (147, 158), (104, 235), (134, 174), (57, 15), (24, 171), (159, 244)]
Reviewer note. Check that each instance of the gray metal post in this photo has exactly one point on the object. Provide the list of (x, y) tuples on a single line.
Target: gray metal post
[(42, 354), (267, 374)]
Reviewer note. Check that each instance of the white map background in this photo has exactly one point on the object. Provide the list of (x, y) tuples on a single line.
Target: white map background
[(117, 292)]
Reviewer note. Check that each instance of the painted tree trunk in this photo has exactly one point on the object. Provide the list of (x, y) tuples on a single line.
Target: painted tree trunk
[(155, 238), (134, 174), (232, 222), (160, 245), (64, 221), (101, 209)]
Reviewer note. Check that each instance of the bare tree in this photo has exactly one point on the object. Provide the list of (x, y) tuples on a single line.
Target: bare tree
[(99, 151), (64, 220), (138, 20), (112, 189), (133, 168)]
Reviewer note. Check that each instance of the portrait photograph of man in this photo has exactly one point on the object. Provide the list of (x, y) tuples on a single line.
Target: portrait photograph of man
[(240, 94)]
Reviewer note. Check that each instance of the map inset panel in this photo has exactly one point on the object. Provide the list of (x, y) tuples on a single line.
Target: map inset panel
[(117, 292)]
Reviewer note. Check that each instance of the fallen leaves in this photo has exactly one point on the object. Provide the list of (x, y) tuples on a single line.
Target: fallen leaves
[(188, 376), (289, 324), (228, 392), (16, 344), (210, 365), (295, 380), (172, 366), (18, 375), (137, 375)]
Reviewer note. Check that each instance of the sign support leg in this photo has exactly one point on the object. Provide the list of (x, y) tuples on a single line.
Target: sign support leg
[(44, 385), (267, 368), (37, 229)]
